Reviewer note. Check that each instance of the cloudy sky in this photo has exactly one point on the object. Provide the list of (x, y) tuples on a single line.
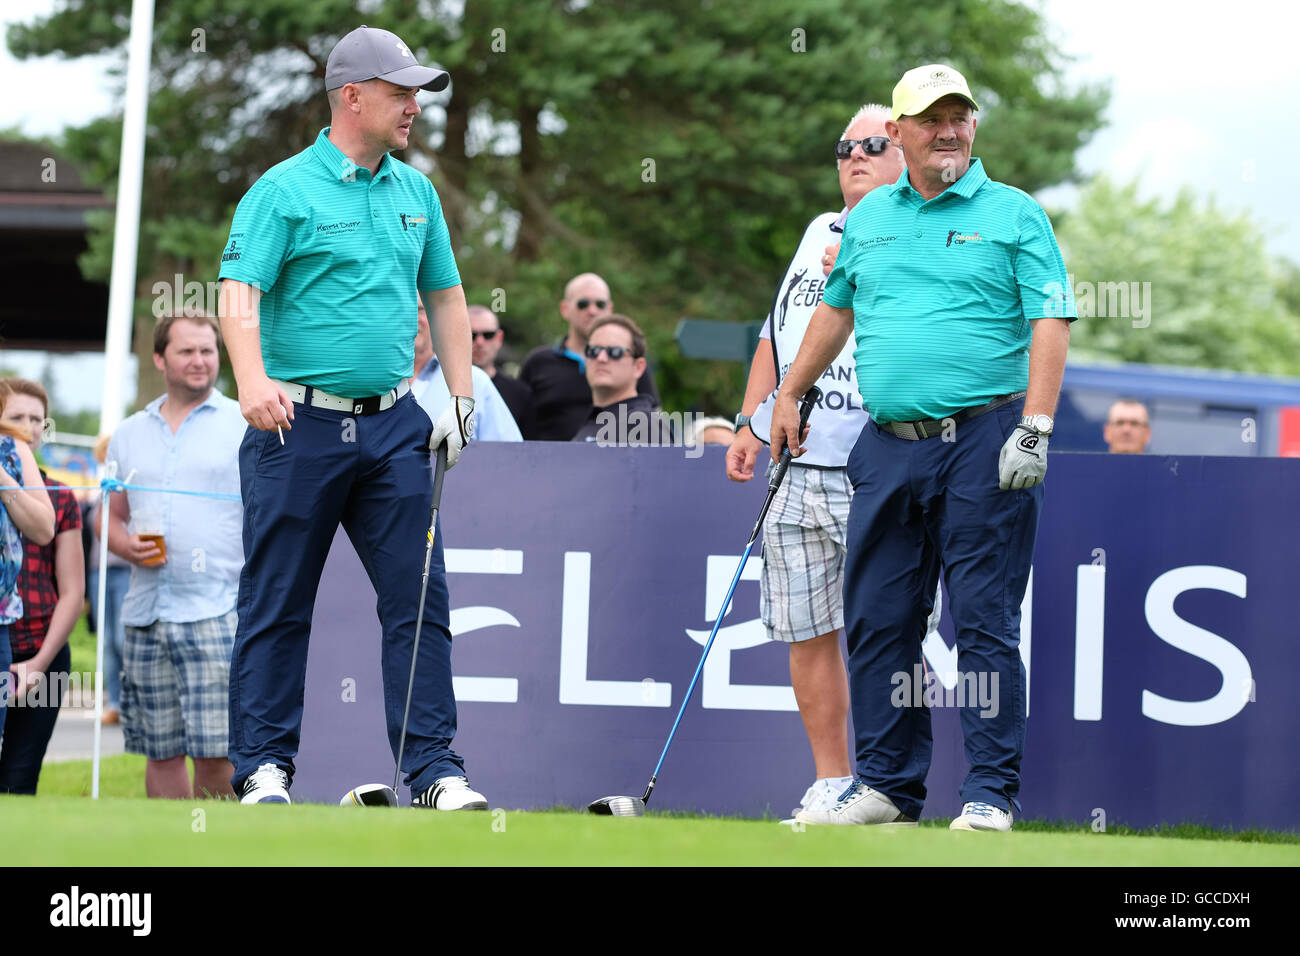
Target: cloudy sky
[(1201, 95)]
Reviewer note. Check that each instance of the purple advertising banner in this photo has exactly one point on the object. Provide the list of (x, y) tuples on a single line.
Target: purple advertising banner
[(1159, 637)]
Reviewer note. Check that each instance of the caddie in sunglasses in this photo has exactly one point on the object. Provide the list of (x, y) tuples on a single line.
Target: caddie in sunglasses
[(872, 146)]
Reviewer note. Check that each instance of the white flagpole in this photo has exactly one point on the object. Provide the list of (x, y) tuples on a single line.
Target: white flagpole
[(126, 234)]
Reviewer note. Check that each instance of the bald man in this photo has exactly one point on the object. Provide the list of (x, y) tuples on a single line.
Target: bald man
[(1128, 428), (557, 374)]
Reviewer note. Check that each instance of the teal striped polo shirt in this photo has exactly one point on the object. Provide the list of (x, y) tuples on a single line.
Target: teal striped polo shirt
[(339, 254), (943, 293)]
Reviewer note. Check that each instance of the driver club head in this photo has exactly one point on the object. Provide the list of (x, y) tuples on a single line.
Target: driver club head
[(370, 795), (617, 807)]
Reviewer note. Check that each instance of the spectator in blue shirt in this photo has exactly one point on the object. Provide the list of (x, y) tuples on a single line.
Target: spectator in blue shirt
[(492, 418), (179, 614)]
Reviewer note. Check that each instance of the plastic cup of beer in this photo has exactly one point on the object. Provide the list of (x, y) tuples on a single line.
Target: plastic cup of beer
[(148, 525)]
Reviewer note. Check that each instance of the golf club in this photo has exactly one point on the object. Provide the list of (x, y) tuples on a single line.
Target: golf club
[(370, 795), (439, 470), (624, 806), (379, 794)]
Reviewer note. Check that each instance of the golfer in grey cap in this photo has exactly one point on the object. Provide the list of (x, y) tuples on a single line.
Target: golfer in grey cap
[(370, 54), (327, 252)]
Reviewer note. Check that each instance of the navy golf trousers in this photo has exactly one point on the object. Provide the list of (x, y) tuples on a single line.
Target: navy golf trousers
[(373, 473), (919, 505)]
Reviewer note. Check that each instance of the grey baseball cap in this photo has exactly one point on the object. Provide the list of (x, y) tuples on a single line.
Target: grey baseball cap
[(371, 54)]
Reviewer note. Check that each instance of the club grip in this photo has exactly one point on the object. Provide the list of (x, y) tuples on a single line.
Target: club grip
[(439, 469), (810, 398)]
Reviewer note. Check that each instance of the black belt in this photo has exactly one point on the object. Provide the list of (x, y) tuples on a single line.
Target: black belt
[(931, 427)]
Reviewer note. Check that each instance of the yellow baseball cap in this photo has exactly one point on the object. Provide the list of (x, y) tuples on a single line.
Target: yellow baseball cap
[(922, 86)]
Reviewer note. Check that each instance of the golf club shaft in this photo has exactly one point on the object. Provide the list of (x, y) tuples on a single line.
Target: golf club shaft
[(774, 484), (439, 470), (700, 667)]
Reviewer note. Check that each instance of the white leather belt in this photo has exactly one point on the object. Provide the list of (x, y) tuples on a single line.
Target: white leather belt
[(306, 395)]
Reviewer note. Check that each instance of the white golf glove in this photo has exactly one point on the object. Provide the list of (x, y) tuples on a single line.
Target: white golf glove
[(1023, 461), (455, 426)]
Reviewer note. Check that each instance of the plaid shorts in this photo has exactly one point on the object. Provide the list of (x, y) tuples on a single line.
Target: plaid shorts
[(802, 587), (176, 688)]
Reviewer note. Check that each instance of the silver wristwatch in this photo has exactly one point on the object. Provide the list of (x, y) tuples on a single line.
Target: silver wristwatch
[(741, 422), (1042, 424)]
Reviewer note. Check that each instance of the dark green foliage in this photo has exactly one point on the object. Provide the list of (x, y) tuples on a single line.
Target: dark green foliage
[(677, 148)]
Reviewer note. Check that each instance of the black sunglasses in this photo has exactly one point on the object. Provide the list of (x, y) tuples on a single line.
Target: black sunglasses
[(616, 352), (484, 335), (872, 146), (600, 303)]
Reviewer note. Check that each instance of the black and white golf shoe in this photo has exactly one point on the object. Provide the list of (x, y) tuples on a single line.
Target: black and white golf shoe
[(267, 784), (451, 793)]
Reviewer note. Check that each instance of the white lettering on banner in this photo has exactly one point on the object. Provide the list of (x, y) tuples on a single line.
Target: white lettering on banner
[(718, 692), (1089, 639), (943, 659), (492, 690), (1027, 631), (1223, 654), (574, 686)]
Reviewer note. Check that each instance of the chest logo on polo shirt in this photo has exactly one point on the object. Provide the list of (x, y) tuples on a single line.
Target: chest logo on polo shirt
[(409, 220), (873, 241), (956, 237), (334, 228)]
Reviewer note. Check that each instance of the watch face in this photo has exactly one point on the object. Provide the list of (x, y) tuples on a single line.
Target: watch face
[(1042, 424)]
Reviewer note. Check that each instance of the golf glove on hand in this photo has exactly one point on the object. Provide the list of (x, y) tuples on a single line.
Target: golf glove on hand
[(455, 426), (1023, 461)]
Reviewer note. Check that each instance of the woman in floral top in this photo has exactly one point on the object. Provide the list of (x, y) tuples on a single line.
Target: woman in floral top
[(25, 511)]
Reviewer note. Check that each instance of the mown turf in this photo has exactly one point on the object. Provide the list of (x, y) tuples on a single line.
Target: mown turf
[(121, 775), (126, 831)]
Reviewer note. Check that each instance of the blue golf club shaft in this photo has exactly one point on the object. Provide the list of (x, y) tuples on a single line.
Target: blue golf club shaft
[(700, 667), (805, 409)]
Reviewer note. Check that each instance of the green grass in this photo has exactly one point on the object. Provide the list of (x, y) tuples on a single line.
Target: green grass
[(121, 829), (119, 776)]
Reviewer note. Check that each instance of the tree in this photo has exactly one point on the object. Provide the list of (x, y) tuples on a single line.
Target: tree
[(1200, 287), (678, 148)]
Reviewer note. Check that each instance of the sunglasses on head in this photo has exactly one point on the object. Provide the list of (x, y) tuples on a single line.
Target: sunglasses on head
[(600, 303), (484, 335), (615, 352), (872, 146)]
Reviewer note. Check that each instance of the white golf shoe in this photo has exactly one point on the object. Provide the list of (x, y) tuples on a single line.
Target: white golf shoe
[(858, 805), (267, 784), (981, 816), (451, 793), (822, 795)]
